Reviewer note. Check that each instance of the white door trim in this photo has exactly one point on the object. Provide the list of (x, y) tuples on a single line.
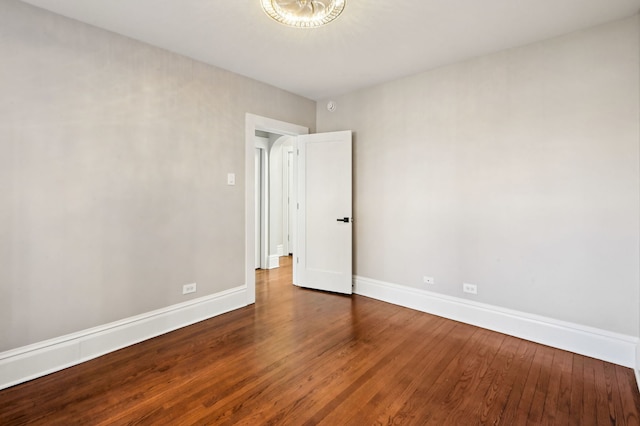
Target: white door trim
[(287, 199), (252, 123), (263, 145)]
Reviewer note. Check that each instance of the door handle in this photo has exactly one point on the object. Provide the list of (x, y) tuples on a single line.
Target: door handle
[(345, 220)]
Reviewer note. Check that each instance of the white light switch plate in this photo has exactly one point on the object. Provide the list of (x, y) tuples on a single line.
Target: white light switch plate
[(231, 178)]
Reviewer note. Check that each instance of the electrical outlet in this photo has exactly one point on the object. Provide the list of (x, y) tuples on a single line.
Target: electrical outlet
[(470, 288), (428, 280), (189, 288)]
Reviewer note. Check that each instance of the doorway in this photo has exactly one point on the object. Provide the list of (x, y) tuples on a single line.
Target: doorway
[(273, 198), (288, 210), (261, 191), (255, 123), (280, 197)]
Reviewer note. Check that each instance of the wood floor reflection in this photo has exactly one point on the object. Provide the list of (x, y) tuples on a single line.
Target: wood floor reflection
[(306, 357)]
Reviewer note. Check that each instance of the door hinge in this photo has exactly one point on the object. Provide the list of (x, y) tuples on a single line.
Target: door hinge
[(297, 260), (298, 206), (298, 151)]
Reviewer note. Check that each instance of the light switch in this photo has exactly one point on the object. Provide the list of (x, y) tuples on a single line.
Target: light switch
[(231, 178)]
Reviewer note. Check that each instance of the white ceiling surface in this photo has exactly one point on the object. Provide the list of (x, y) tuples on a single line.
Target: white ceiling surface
[(372, 42)]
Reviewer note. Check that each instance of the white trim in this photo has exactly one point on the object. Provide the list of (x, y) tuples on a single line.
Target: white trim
[(252, 123), (263, 145), (274, 261), (637, 367), (280, 249), (596, 343), (39, 359), (287, 198)]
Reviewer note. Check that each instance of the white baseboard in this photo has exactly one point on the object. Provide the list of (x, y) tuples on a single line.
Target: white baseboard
[(280, 250), (596, 343), (637, 368), (274, 261), (29, 362)]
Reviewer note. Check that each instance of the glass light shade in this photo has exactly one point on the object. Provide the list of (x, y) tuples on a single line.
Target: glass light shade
[(303, 13)]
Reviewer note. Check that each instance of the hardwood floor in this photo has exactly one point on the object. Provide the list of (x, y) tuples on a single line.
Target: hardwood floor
[(303, 357)]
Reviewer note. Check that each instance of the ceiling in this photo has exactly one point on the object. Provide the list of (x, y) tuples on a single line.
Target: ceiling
[(372, 42)]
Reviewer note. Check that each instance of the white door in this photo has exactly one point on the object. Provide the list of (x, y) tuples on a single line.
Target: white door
[(324, 220)]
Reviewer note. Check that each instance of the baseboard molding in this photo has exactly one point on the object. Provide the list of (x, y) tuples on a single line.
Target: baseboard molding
[(280, 250), (33, 361), (637, 368), (601, 344), (274, 261)]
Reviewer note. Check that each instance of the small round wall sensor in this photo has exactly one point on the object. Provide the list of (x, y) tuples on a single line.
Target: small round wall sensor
[(331, 106)]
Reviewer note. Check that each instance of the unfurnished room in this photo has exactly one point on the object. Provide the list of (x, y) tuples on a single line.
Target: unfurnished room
[(319, 212)]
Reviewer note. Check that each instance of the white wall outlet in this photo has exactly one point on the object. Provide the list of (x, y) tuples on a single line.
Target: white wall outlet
[(428, 280), (189, 288), (231, 178), (470, 288)]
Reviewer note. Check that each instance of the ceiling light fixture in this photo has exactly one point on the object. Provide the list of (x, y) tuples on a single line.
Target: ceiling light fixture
[(303, 13)]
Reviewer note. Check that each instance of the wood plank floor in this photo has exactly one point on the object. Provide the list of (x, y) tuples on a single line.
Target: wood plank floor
[(302, 357)]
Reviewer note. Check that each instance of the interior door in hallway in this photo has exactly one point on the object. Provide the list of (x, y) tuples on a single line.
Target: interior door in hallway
[(324, 215)]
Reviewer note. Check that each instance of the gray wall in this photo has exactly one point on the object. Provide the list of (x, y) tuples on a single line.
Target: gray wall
[(517, 172), (113, 165)]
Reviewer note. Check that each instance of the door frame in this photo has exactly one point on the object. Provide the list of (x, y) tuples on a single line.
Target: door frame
[(263, 147), (287, 199), (252, 123)]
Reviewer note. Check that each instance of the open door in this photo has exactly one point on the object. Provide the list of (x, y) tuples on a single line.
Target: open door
[(324, 215)]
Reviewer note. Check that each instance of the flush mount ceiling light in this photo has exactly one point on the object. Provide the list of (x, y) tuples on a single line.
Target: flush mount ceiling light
[(303, 13)]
